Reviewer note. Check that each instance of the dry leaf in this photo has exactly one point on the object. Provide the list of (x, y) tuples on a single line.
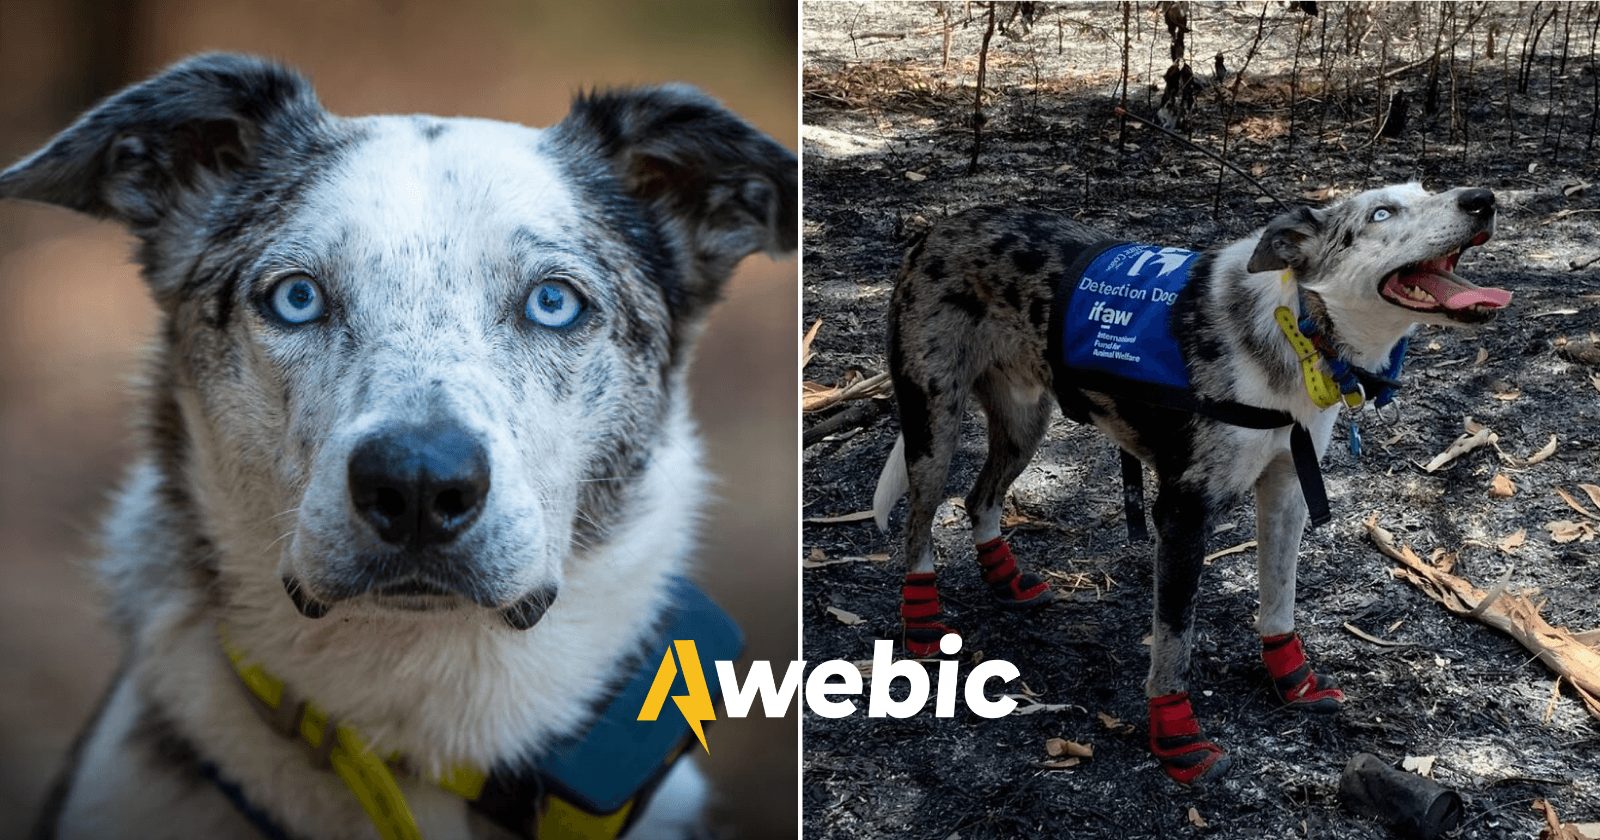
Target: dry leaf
[(1422, 765), (1565, 531), (1114, 724), (1544, 452), (1238, 549), (1028, 706), (858, 516), (1511, 543), (1483, 356), (1057, 747), (1508, 396), (1060, 763), (844, 616), (1555, 697), (914, 176), (1502, 487), (1555, 829), (1594, 379), (1477, 435), (1014, 519), (815, 562), (805, 343), (1593, 492), (1575, 504), (1195, 819), (1364, 635)]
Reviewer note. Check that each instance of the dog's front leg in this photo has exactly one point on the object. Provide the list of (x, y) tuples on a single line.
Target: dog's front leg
[(1280, 522), (1182, 515)]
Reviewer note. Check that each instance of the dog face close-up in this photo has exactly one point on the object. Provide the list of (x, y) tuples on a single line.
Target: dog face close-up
[(425, 358), (419, 386), (1387, 257)]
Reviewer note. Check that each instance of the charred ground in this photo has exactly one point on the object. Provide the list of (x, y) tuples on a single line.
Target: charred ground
[(887, 145)]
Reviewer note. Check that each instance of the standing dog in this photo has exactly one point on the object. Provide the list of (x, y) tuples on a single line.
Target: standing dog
[(414, 378), (971, 315)]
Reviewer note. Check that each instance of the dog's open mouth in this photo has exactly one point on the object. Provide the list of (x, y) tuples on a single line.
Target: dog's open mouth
[(1433, 286)]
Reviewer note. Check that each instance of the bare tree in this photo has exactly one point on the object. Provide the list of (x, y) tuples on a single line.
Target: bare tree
[(977, 97)]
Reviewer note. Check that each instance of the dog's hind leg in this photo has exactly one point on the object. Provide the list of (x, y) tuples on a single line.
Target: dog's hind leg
[(931, 429), (1018, 413), (929, 398), (1182, 518), (1280, 522)]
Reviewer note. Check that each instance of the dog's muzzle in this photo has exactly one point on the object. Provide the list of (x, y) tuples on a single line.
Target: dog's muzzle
[(416, 490), (419, 487)]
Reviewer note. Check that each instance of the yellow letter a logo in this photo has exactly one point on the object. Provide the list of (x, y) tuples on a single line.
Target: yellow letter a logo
[(696, 704)]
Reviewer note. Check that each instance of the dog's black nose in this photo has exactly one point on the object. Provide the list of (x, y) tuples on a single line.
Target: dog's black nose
[(419, 485), (1476, 201)]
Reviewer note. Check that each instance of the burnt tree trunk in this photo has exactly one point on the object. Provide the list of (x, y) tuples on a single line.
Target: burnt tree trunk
[(977, 97)]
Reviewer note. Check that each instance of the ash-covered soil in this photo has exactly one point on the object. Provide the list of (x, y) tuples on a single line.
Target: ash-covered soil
[(879, 106)]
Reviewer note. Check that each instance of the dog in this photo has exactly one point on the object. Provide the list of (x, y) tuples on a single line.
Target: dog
[(975, 313), (416, 449)]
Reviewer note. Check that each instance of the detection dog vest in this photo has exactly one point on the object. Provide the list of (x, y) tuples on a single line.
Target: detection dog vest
[(1111, 331)]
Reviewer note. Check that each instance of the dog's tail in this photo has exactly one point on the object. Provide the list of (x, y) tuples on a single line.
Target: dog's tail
[(892, 484)]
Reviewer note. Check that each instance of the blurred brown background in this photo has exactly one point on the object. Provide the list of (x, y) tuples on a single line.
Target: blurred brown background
[(73, 314)]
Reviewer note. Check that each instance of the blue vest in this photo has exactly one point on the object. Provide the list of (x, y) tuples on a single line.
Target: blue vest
[(1118, 314), (1111, 331)]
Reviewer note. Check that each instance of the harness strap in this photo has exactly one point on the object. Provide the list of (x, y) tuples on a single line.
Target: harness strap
[(1304, 453), (263, 822)]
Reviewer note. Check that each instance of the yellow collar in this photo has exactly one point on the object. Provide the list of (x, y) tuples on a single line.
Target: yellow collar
[(1321, 387), (372, 778)]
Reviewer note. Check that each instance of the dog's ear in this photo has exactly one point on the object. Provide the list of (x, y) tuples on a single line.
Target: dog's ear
[(153, 149), (1286, 241), (721, 188)]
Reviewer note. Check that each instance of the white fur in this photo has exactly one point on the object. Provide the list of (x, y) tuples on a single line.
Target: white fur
[(445, 686), (440, 688)]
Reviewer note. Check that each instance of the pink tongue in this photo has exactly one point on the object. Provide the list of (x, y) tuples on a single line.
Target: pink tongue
[(1454, 295)]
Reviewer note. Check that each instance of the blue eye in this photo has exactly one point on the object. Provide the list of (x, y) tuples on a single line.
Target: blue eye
[(554, 304), (297, 299), (1381, 214)]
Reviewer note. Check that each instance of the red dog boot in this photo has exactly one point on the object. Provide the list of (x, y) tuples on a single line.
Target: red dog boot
[(921, 617), (1014, 588), (1297, 685), (1175, 739)]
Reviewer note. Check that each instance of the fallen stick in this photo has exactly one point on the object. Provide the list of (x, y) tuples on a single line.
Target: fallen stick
[(815, 397), (1557, 647), (861, 414)]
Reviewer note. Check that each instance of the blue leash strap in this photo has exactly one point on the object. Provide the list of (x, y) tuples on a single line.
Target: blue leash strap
[(1377, 388)]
